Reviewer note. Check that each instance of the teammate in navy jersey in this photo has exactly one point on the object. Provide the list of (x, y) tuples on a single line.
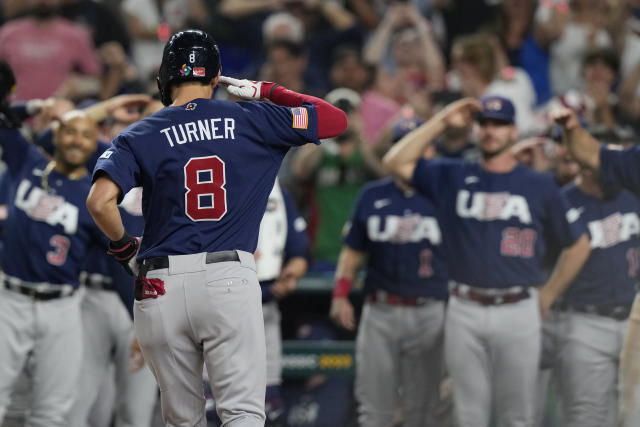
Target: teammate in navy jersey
[(497, 219), (206, 168), (399, 343), (48, 230), (598, 302), (108, 337), (617, 169)]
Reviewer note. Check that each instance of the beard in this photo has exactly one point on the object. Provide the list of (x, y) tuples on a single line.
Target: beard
[(43, 12)]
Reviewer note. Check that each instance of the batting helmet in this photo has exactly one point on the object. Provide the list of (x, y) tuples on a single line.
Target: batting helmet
[(188, 55)]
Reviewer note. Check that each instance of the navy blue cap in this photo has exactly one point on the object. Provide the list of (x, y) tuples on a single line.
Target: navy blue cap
[(407, 122), (498, 108)]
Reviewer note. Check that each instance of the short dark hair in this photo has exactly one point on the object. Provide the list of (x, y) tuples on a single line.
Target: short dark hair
[(294, 49), (607, 56)]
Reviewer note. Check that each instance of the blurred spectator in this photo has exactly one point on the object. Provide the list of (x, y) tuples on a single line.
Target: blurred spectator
[(481, 68), (465, 16), (286, 62), (406, 54), (335, 171), (600, 73), (104, 23), (150, 24), (514, 28), (282, 26), (349, 70), (570, 30), (371, 12), (44, 50)]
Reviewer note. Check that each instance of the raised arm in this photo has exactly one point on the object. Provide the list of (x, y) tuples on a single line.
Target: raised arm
[(584, 148), (332, 121), (402, 158)]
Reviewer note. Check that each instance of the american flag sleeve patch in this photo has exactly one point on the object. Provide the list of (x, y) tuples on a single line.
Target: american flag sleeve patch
[(300, 118)]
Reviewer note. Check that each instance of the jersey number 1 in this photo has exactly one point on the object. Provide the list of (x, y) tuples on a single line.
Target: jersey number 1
[(206, 197)]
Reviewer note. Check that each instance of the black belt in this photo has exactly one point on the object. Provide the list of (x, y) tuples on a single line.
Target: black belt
[(37, 294), (489, 299), (157, 262), (617, 312), (96, 281)]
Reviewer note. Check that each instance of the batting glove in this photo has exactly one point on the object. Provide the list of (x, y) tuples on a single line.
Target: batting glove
[(247, 89), (125, 250)]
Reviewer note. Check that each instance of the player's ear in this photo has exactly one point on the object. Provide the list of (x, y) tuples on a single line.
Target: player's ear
[(214, 81)]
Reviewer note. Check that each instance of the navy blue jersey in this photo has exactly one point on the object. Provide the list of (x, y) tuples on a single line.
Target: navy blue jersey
[(496, 225), (609, 275), (297, 243), (280, 243), (47, 233), (400, 233), (619, 168), (97, 261), (207, 169)]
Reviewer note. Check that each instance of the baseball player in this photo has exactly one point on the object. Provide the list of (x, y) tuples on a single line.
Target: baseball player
[(399, 342), (496, 217), (280, 261), (206, 168), (48, 231), (616, 168), (108, 336), (598, 302)]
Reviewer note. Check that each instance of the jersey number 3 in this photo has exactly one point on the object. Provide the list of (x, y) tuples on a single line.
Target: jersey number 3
[(206, 197)]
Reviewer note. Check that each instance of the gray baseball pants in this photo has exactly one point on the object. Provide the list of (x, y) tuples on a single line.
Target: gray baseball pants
[(50, 332), (211, 314), (273, 338), (589, 361), (399, 363), (629, 414), (492, 354), (108, 333)]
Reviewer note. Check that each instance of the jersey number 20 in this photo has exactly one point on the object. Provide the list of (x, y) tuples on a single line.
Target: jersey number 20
[(206, 197)]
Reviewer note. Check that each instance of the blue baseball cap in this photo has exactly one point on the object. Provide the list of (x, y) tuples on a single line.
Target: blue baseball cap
[(408, 122), (497, 108)]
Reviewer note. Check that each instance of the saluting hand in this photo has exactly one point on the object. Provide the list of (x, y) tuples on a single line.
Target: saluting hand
[(245, 89)]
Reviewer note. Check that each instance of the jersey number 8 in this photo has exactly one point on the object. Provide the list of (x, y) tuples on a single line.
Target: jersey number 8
[(206, 197)]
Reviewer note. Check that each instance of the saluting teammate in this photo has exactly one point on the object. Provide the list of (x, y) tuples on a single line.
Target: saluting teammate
[(399, 342), (206, 168), (616, 168), (496, 217), (48, 230), (598, 302)]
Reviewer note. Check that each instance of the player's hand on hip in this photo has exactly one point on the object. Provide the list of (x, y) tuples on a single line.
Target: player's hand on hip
[(245, 89), (125, 250), (341, 313)]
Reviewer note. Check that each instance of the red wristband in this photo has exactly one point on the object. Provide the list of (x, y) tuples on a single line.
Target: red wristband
[(342, 288), (266, 89)]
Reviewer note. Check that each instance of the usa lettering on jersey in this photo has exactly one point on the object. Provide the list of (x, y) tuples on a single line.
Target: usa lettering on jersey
[(200, 130), (42, 206), (614, 229), (403, 229), (492, 206)]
